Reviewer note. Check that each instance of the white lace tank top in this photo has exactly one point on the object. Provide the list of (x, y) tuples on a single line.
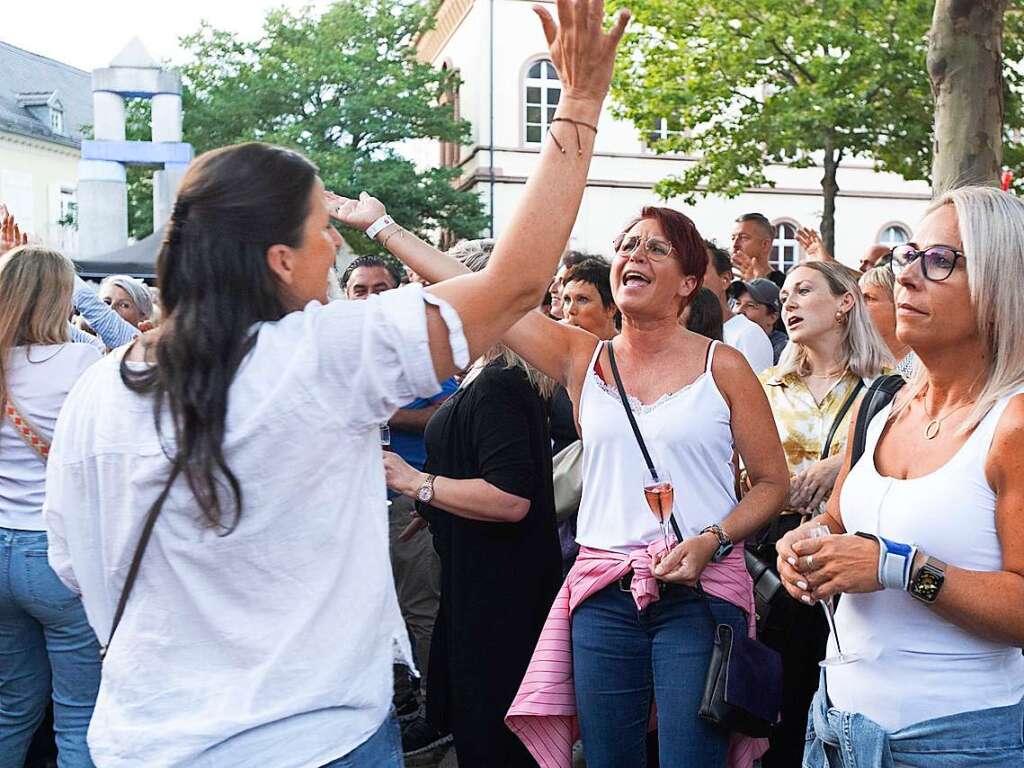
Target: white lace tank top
[(916, 665), (688, 432)]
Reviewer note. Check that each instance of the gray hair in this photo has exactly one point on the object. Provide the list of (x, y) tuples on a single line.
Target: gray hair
[(879, 277), (475, 254), (137, 291), (991, 226)]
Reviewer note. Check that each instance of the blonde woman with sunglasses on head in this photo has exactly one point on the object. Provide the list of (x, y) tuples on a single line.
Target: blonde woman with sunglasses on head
[(927, 527)]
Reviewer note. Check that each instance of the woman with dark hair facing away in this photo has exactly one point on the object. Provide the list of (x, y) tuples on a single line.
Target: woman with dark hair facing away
[(703, 314), (640, 632), (491, 512), (47, 645), (240, 439)]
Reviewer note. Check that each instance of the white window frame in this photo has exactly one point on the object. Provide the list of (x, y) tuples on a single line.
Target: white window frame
[(662, 131), (547, 83), (57, 120), (781, 244), (890, 243)]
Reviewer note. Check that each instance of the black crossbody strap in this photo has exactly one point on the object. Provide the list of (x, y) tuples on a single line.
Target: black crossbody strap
[(839, 419), (636, 430), (879, 394), (140, 550)]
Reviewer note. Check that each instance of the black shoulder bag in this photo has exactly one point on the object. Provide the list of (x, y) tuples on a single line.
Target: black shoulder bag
[(743, 688), (767, 586), (879, 394)]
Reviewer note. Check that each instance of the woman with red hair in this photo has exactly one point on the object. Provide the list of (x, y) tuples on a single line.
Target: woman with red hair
[(640, 631)]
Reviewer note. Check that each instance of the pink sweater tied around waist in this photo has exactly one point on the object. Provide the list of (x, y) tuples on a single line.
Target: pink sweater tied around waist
[(543, 714)]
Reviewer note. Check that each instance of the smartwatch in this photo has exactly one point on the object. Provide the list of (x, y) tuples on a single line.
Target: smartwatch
[(725, 545), (378, 226), (927, 581), (425, 493)]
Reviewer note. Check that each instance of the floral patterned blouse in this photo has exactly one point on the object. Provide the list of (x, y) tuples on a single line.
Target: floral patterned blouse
[(804, 423)]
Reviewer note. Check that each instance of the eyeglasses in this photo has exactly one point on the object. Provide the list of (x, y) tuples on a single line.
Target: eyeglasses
[(656, 248), (937, 262)]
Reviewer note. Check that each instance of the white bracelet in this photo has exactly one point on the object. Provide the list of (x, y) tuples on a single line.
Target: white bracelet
[(375, 229)]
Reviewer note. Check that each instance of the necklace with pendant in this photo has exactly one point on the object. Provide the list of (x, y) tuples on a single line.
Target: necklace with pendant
[(934, 425)]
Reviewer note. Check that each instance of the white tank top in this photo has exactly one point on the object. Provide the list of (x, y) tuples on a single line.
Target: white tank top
[(917, 665), (688, 432)]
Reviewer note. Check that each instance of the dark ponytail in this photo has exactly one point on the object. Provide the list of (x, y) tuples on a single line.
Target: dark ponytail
[(215, 284)]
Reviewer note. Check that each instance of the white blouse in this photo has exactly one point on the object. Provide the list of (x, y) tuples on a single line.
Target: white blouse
[(272, 645)]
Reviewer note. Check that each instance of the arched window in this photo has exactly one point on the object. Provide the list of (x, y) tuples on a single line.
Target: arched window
[(542, 90), (785, 247), (893, 235)]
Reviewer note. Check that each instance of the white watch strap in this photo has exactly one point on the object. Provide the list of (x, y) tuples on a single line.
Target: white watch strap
[(375, 229)]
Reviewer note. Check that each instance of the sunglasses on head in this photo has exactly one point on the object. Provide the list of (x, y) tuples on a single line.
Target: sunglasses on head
[(937, 262)]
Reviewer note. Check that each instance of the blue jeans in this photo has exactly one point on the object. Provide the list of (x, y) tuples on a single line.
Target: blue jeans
[(46, 647), (983, 738), (623, 658), (382, 750)]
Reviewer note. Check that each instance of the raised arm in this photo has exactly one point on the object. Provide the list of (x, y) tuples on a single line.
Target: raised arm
[(549, 346), (491, 301), (113, 329)]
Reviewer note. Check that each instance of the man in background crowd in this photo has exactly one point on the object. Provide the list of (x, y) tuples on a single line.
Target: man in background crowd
[(758, 301), (737, 331), (752, 237)]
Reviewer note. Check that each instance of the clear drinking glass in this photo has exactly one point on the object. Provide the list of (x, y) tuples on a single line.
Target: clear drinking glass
[(818, 532), (660, 496), (385, 441)]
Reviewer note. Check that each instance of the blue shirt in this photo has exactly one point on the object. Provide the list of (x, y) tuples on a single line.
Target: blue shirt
[(409, 445)]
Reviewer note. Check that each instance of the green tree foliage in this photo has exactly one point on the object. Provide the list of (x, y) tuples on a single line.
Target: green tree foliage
[(758, 82), (138, 114), (344, 88)]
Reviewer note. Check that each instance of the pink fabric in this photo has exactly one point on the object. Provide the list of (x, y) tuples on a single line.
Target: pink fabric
[(543, 714)]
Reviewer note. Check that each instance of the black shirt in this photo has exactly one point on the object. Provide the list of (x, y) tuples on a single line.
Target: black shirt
[(498, 580), (563, 421)]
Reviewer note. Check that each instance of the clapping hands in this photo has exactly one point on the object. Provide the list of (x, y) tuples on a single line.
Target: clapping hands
[(812, 244)]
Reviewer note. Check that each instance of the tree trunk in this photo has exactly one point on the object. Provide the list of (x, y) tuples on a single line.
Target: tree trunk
[(829, 189), (965, 65)]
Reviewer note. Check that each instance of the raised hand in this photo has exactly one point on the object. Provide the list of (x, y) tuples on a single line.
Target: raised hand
[(358, 214), (11, 235), (580, 49), (810, 241)]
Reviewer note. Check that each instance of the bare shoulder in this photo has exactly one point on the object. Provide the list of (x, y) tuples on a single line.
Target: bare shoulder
[(729, 363), (1005, 460)]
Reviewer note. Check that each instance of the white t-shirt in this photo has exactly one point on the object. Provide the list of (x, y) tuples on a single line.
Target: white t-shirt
[(39, 377), (750, 339), (272, 645)]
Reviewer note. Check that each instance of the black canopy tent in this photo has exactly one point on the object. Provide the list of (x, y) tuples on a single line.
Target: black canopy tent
[(138, 260)]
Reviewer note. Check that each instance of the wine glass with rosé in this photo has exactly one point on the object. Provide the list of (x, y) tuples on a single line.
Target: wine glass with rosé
[(660, 497)]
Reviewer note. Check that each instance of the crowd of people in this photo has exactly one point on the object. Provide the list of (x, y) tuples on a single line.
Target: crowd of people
[(472, 503)]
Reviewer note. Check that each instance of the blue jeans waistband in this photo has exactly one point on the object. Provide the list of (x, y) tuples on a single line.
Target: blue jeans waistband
[(856, 740)]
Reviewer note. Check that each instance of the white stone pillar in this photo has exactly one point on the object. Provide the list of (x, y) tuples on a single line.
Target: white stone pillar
[(108, 116), (165, 190), (166, 119), (102, 207)]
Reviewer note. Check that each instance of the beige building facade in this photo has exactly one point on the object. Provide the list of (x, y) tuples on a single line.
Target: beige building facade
[(509, 93)]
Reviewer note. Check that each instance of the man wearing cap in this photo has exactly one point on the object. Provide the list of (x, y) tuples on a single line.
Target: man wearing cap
[(758, 301)]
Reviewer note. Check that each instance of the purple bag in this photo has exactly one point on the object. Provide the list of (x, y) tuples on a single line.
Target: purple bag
[(743, 689)]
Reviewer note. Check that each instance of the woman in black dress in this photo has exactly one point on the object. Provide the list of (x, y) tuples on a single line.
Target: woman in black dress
[(486, 493)]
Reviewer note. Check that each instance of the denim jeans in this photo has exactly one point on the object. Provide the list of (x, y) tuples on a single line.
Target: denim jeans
[(983, 738), (382, 750), (623, 658), (46, 646)]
